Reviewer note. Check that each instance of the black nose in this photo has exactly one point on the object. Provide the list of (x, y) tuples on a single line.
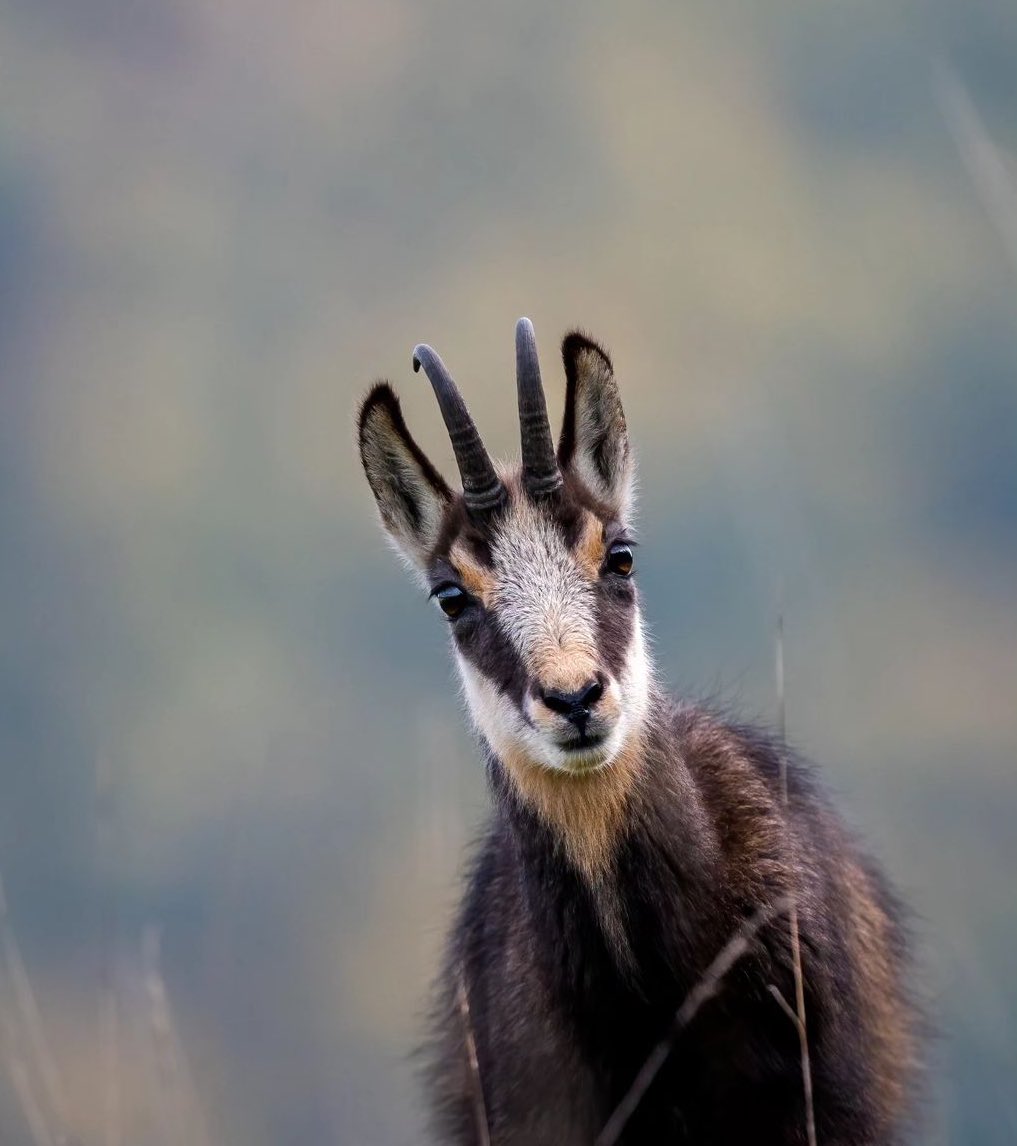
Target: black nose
[(574, 706)]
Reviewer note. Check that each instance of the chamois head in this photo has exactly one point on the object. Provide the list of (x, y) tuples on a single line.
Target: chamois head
[(531, 564)]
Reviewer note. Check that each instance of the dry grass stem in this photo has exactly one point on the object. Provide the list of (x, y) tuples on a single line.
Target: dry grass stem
[(38, 1059), (109, 1010), (479, 1107), (182, 1118), (796, 948), (34, 1116), (785, 1006), (985, 161), (707, 986), (110, 1039), (167, 1084)]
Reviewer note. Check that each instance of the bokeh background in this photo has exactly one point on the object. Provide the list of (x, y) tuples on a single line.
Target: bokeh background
[(235, 786)]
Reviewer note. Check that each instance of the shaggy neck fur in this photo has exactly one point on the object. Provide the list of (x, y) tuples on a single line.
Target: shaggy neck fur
[(584, 811)]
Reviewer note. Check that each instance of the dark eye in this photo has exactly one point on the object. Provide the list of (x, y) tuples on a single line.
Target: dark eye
[(619, 559), (451, 600)]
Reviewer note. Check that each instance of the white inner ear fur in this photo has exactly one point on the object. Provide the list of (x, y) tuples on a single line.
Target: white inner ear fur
[(394, 474), (600, 421)]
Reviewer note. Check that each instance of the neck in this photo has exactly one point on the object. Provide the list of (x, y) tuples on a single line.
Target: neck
[(584, 815), (602, 855)]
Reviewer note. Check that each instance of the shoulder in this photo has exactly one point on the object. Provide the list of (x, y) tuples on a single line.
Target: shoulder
[(725, 754), (729, 778)]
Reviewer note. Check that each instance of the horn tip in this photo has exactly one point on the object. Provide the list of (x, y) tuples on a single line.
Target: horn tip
[(524, 326), (418, 354)]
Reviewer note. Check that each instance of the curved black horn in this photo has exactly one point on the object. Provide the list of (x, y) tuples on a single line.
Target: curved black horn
[(540, 466), (482, 488)]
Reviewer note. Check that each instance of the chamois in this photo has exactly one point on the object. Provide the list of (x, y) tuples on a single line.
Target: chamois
[(631, 834)]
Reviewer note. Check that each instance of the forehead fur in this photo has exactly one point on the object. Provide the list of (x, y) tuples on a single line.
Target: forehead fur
[(541, 594), (534, 566), (575, 516)]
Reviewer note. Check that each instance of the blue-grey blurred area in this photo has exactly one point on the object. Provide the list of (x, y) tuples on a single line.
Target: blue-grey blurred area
[(236, 788)]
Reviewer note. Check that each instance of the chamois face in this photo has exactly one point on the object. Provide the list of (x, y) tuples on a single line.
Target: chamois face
[(532, 566)]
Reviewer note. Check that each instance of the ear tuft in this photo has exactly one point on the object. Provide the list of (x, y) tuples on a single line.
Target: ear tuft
[(594, 441), (577, 342), (410, 493), (381, 393)]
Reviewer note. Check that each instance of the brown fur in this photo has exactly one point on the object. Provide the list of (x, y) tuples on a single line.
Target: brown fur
[(478, 578), (565, 668), (590, 548), (743, 809), (586, 810), (893, 1038)]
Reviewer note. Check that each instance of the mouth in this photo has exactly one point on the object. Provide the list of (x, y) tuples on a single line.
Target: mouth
[(584, 742), (586, 753)]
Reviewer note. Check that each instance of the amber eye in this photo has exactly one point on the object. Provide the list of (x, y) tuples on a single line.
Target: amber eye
[(451, 600), (619, 559)]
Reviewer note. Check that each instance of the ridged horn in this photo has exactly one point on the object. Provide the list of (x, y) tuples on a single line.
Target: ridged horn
[(541, 475), (482, 488)]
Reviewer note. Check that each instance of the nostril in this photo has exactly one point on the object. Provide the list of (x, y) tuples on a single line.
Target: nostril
[(573, 705), (591, 694), (560, 702)]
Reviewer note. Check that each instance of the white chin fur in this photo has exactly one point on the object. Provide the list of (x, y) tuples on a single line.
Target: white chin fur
[(503, 726)]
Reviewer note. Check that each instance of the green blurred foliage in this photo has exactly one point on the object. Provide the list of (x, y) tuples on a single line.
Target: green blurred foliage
[(223, 708)]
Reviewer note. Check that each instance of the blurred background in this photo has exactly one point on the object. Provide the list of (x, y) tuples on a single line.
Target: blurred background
[(235, 785)]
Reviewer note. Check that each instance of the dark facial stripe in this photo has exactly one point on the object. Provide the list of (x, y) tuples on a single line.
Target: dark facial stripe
[(615, 612), (457, 526), (482, 642)]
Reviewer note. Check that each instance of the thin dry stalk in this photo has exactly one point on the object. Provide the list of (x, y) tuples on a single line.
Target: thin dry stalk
[(708, 985), (34, 1116), (182, 1117), (109, 1017), (785, 1006), (479, 1107), (159, 1026), (52, 1104), (796, 948), (111, 1062), (984, 160)]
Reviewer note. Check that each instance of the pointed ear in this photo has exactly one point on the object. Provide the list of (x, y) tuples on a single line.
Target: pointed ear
[(411, 494), (594, 442)]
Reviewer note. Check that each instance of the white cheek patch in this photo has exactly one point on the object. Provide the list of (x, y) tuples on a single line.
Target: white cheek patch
[(634, 683), (496, 717)]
